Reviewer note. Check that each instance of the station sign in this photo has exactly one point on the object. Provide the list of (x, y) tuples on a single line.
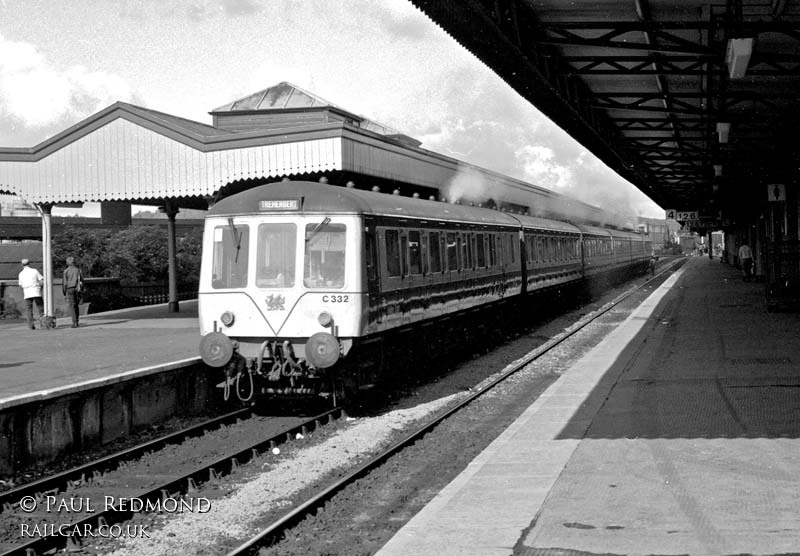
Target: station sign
[(712, 224), (682, 215), (279, 204), (776, 192)]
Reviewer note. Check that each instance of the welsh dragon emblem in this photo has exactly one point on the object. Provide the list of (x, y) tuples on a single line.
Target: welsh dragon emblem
[(275, 303)]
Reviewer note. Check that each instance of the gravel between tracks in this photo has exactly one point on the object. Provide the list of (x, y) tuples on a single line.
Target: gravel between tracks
[(233, 517)]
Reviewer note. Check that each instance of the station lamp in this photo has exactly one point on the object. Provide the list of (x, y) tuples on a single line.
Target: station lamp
[(723, 131), (737, 56)]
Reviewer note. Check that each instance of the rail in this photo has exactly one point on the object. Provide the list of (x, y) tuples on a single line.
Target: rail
[(180, 485)]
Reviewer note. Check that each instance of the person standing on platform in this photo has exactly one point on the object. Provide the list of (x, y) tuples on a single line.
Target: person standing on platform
[(31, 282), (746, 258), (71, 287)]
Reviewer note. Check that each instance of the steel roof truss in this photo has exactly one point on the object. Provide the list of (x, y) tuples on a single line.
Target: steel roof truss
[(615, 36), (638, 65)]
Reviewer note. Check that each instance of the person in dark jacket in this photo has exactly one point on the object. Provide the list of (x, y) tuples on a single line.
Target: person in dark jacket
[(71, 287)]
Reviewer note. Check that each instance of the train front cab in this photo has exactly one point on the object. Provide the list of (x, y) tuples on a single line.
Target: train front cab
[(281, 295)]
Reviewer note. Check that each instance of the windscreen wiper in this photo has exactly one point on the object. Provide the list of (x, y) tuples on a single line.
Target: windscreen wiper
[(317, 229), (237, 239)]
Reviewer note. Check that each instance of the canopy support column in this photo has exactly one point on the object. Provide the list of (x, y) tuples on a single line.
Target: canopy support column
[(171, 210), (45, 210)]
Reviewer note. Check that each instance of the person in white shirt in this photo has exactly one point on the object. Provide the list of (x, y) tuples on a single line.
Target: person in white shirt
[(31, 283), (746, 258)]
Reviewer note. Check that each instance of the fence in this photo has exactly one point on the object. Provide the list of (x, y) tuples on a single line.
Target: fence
[(153, 294), (782, 270)]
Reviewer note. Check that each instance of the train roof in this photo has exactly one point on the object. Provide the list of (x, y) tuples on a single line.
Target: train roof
[(597, 231), (315, 197)]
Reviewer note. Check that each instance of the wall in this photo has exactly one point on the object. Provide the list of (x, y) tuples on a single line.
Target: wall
[(40, 431)]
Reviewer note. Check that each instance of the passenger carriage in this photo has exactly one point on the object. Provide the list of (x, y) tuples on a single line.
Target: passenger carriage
[(295, 274)]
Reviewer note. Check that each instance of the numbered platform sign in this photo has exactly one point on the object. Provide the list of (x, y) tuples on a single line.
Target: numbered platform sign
[(682, 215)]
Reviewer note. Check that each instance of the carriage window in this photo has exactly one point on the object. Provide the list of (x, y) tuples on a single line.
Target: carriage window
[(529, 249), (436, 253), (403, 255), (466, 250), (325, 256), (231, 244), (492, 250), (393, 252), (512, 248), (414, 253), (276, 255), (452, 252), (425, 250), (481, 251)]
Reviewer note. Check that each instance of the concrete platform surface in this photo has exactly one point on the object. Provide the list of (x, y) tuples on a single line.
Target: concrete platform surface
[(106, 344), (678, 434)]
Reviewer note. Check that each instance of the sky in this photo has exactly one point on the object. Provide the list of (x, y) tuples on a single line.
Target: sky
[(63, 60)]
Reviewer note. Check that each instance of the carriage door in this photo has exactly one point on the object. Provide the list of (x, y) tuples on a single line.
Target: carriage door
[(372, 262), (424, 249)]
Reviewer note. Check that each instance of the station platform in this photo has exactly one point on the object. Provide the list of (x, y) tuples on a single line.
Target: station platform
[(677, 434), (107, 347)]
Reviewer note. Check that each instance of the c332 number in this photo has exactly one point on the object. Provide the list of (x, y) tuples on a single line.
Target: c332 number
[(335, 298)]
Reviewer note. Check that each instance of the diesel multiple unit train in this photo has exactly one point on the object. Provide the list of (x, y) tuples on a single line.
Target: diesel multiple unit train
[(302, 283)]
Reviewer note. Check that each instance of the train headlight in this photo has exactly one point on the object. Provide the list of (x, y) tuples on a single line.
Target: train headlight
[(322, 350), (216, 349), (227, 318), (325, 319)]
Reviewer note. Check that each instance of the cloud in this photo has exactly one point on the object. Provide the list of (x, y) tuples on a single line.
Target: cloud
[(198, 11), (401, 19), (40, 99), (473, 118), (240, 7)]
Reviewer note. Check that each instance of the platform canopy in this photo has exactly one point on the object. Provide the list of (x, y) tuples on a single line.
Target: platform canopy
[(130, 153), (694, 102)]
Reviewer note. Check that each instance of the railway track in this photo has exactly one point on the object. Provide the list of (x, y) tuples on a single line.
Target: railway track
[(173, 488), (92, 470), (277, 530)]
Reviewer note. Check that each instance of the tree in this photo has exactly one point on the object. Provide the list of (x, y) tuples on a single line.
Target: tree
[(135, 254), (87, 246), (189, 253), (140, 254)]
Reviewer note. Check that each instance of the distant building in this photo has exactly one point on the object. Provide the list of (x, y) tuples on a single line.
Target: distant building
[(661, 231), (11, 205), (12, 253)]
